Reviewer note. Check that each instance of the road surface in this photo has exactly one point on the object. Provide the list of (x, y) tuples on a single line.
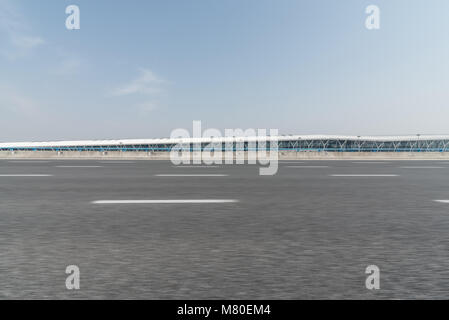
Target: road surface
[(151, 230)]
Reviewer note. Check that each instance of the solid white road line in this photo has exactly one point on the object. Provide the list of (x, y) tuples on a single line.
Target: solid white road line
[(307, 166), (26, 175), (364, 175), (442, 201), (191, 175), (203, 201), (79, 166)]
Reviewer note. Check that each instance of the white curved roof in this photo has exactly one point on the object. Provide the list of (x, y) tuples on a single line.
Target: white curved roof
[(81, 143)]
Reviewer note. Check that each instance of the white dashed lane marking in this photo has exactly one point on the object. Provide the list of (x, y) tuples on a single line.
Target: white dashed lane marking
[(79, 166), (26, 175), (26, 161), (288, 162), (423, 167), (370, 162), (364, 175), (305, 167), (191, 175), (199, 201), (195, 166), (117, 162)]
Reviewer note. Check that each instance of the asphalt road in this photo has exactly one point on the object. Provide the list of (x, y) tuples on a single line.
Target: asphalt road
[(308, 232)]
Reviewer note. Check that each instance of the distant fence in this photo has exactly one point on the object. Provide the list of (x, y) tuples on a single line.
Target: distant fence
[(293, 145)]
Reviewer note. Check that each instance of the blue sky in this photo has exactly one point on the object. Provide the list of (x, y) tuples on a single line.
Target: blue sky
[(139, 69)]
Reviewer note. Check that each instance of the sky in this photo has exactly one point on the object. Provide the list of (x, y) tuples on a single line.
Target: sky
[(142, 68)]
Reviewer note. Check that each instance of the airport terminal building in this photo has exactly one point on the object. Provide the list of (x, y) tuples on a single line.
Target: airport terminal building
[(295, 143)]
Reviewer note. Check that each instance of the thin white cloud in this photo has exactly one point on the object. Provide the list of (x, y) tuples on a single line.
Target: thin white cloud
[(16, 39), (147, 87), (146, 84)]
